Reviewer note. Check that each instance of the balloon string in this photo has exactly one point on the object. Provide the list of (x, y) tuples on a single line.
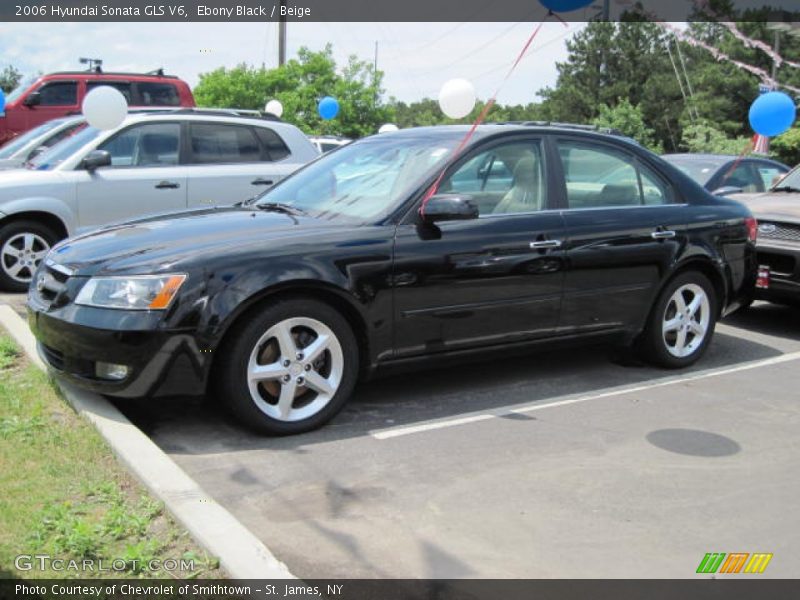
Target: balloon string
[(432, 190), (751, 145)]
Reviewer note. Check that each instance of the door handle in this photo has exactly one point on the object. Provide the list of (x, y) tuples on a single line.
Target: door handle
[(260, 181), (545, 244), (662, 234), (168, 185)]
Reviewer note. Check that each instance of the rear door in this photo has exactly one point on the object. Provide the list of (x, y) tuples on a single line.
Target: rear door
[(228, 163), (145, 176), (491, 280), (624, 230)]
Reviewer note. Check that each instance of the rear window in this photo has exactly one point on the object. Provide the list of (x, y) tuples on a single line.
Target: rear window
[(276, 148), (158, 94)]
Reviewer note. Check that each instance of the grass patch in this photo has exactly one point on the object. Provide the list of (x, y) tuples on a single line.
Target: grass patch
[(64, 494)]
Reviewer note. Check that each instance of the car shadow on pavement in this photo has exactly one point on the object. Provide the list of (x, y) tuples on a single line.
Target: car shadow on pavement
[(202, 426), (771, 319)]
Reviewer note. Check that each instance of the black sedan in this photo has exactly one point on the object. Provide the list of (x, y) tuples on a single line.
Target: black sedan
[(276, 307), (726, 175)]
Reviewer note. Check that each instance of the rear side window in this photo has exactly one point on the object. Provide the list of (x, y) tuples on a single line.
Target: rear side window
[(59, 93), (276, 148), (598, 177), (158, 94), (124, 87), (218, 143)]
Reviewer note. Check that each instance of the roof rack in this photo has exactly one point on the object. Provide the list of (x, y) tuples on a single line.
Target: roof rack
[(101, 72), (577, 126), (243, 113)]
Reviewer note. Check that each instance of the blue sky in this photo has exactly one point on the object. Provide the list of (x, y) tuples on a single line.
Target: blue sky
[(417, 58)]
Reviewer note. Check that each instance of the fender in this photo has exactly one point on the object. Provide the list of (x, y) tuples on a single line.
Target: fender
[(45, 204)]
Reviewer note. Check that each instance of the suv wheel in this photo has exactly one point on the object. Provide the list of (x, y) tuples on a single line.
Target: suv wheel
[(23, 245), (290, 368), (682, 322)]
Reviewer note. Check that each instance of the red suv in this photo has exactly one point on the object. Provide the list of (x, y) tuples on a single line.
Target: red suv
[(58, 94)]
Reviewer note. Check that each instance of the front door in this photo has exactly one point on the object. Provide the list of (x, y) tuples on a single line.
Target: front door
[(144, 177), (491, 280)]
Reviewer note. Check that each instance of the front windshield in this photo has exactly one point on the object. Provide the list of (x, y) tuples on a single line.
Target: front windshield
[(19, 142), (53, 157), (365, 180), (699, 169), (23, 85)]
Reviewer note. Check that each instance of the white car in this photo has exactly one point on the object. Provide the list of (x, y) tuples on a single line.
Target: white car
[(326, 143), (15, 153), (152, 163)]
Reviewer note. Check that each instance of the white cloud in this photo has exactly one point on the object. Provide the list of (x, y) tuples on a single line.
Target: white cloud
[(416, 57)]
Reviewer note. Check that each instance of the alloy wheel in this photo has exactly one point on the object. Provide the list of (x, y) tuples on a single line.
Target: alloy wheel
[(295, 369), (21, 255), (686, 320)]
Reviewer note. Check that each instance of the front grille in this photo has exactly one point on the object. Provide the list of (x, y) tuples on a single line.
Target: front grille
[(50, 283), (779, 231), (54, 357)]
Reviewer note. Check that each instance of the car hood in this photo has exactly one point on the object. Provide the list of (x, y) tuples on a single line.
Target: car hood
[(780, 206), (10, 163), (184, 240), (20, 182)]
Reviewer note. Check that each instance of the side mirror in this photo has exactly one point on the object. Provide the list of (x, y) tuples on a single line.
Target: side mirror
[(33, 99), (450, 207), (727, 190), (96, 159)]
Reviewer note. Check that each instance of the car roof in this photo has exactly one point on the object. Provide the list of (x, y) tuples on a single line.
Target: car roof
[(212, 115)]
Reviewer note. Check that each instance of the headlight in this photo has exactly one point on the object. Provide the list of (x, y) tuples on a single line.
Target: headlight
[(146, 292)]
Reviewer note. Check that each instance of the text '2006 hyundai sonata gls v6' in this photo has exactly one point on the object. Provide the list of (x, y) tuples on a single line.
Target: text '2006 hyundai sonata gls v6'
[(277, 306)]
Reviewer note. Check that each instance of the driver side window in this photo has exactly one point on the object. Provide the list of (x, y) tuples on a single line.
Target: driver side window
[(147, 145), (505, 179)]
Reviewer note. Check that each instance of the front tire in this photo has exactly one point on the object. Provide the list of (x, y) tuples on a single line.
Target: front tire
[(289, 368), (682, 322), (23, 245)]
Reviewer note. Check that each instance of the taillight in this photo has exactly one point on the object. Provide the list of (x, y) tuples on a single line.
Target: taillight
[(752, 228)]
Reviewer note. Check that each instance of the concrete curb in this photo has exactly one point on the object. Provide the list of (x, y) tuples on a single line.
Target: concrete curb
[(240, 553)]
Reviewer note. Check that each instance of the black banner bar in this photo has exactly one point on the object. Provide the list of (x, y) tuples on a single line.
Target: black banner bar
[(733, 588), (372, 10)]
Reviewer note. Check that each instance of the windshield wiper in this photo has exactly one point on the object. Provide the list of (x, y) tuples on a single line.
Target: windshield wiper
[(280, 207), (786, 188)]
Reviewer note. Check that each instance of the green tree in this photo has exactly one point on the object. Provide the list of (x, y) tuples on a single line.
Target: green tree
[(628, 119), (704, 136), (786, 147), (299, 85), (9, 78)]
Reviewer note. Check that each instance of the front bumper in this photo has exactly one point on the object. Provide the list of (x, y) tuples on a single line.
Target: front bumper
[(161, 362), (783, 260)]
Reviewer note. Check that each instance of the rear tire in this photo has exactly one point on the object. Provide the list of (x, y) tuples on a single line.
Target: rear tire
[(289, 368), (23, 245), (682, 322)]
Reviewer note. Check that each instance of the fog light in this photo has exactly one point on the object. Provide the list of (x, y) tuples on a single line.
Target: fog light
[(111, 371)]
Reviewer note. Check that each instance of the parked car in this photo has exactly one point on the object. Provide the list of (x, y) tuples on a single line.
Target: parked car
[(277, 306), (23, 148), (726, 175), (41, 99), (154, 162), (778, 214), (326, 143)]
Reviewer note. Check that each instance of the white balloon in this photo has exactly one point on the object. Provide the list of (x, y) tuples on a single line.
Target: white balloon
[(274, 107), (457, 98), (388, 128), (105, 107)]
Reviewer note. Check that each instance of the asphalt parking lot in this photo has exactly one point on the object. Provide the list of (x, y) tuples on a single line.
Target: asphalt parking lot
[(556, 464)]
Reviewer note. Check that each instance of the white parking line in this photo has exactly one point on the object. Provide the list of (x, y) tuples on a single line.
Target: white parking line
[(393, 432)]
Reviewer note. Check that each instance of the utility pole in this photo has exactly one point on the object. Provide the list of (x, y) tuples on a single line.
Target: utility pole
[(282, 36), (777, 48), (606, 10), (375, 75)]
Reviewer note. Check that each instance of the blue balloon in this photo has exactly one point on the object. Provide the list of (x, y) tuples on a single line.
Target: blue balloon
[(565, 5), (772, 113), (328, 108), (2, 102)]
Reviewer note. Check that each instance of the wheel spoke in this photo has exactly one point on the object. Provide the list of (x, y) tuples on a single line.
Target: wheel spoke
[(697, 328), (695, 304), (283, 334), (265, 372), (37, 256), (10, 250), (286, 398), (680, 303), (319, 384), (28, 242), (672, 325), (680, 342), (315, 348)]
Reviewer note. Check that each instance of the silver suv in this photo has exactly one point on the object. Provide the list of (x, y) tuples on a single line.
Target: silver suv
[(152, 163)]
